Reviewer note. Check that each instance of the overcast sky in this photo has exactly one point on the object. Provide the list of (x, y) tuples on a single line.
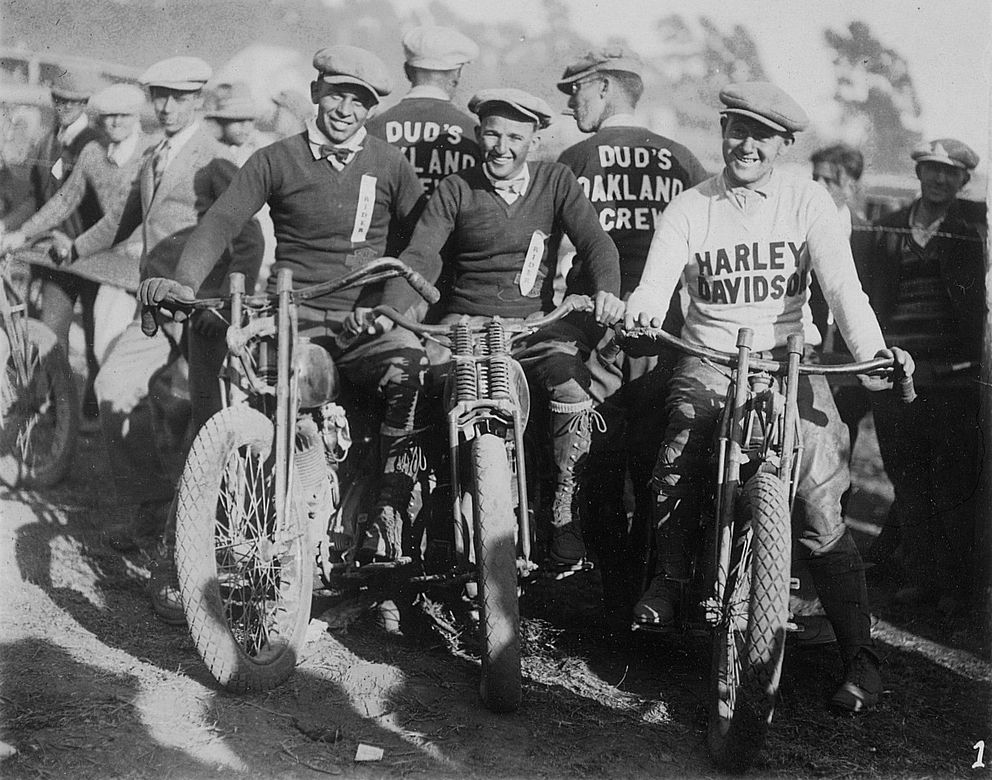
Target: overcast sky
[(946, 42)]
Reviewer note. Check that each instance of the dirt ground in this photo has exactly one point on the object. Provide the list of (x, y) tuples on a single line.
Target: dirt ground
[(93, 686)]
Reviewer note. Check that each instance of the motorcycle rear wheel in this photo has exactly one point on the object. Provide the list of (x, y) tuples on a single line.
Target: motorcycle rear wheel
[(245, 578), (749, 643), (496, 561)]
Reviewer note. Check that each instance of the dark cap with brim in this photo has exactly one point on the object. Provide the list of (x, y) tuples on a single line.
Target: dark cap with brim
[(947, 151), (599, 60), (352, 65)]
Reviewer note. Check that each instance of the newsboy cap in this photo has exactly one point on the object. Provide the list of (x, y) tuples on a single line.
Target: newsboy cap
[(67, 86), (438, 48), (119, 99), (233, 101), (948, 151), (483, 103), (615, 59), (351, 65), (184, 74), (765, 102)]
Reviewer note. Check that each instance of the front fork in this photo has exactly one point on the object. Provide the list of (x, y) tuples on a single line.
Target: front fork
[(481, 401)]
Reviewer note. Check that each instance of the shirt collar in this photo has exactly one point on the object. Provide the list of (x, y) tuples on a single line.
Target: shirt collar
[(68, 133), (427, 91), (317, 138), (618, 120), (121, 152), (180, 139), (744, 195), (523, 177)]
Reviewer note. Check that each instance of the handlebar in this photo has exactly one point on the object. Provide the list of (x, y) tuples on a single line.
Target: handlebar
[(572, 303), (376, 271), (880, 366)]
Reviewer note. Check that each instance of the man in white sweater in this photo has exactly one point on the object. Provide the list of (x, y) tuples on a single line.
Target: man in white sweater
[(743, 243)]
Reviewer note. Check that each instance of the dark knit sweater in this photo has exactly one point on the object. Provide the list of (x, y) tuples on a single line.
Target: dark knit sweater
[(313, 209), (490, 239)]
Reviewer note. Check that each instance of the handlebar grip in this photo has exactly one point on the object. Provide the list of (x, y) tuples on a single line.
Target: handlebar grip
[(427, 290), (608, 354), (149, 320), (906, 389)]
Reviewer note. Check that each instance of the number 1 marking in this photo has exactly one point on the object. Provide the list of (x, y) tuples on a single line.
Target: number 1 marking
[(980, 760)]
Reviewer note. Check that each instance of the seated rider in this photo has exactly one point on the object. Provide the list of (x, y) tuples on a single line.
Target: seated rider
[(336, 195), (743, 243), (501, 217)]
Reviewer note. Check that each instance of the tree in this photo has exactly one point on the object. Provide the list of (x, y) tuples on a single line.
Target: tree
[(880, 109)]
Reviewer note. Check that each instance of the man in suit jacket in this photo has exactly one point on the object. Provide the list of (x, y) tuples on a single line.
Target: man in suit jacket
[(180, 177)]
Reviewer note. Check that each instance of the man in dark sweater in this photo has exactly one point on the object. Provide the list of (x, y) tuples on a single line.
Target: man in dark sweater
[(629, 174), (338, 198), (501, 219)]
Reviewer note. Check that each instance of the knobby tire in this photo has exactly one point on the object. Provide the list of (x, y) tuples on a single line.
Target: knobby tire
[(749, 644), (245, 580), (496, 557)]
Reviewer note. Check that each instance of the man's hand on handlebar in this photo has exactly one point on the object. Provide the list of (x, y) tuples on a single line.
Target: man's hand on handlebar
[(61, 247), (902, 373), (158, 289), (12, 241), (608, 308), (640, 319), (363, 321)]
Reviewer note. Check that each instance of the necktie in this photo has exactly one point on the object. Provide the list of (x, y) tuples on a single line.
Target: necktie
[(512, 186), (341, 154), (159, 162)]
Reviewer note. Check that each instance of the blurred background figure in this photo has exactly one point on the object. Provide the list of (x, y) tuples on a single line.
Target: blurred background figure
[(293, 109), (53, 161), (234, 112)]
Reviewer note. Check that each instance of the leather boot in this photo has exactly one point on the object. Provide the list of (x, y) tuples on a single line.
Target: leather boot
[(840, 582), (402, 462), (571, 431)]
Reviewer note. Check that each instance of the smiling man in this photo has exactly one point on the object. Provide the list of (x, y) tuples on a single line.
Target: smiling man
[(743, 243), (339, 199), (501, 218)]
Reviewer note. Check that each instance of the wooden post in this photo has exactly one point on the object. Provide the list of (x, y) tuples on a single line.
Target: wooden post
[(983, 513)]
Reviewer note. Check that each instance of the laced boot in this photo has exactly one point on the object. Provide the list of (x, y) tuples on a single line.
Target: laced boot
[(571, 429), (403, 461)]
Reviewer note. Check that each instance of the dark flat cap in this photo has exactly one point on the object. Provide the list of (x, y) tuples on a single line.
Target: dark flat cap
[(186, 74), (765, 102), (351, 65), (67, 86), (482, 103), (948, 151), (615, 59)]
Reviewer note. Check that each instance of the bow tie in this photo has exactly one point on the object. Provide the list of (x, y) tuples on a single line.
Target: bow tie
[(515, 186), (339, 153)]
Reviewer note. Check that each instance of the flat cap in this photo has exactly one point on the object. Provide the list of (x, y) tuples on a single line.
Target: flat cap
[(67, 86), (484, 102), (119, 99), (351, 65), (765, 102), (609, 59), (232, 101), (438, 48), (948, 151), (186, 74)]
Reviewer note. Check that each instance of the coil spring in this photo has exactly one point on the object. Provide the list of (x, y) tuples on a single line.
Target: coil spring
[(466, 388), (499, 369), (483, 369)]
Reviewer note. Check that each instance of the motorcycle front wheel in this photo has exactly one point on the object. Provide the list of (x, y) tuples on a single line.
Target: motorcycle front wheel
[(496, 562), (245, 575), (749, 642)]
